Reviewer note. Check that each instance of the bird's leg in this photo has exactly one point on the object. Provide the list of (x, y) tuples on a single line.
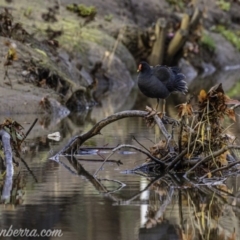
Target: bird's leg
[(157, 104), (163, 107)]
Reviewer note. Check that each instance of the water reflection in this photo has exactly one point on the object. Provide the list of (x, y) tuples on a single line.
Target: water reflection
[(182, 212), (65, 195)]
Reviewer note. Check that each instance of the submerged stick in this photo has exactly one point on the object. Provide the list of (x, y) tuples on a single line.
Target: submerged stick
[(136, 148)]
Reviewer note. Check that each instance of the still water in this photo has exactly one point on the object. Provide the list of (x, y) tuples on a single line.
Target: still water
[(62, 196)]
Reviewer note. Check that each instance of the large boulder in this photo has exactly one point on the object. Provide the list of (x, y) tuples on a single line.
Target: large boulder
[(225, 55)]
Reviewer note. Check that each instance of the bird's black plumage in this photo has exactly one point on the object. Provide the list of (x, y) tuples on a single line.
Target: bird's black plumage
[(160, 81)]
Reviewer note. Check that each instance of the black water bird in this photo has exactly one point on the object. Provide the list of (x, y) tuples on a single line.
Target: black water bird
[(160, 81)]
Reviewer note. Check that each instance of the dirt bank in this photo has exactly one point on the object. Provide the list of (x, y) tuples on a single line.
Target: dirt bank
[(68, 58)]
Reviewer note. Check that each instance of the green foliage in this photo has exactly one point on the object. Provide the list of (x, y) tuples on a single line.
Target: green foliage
[(82, 10), (108, 17), (178, 3), (230, 35), (234, 91), (224, 5), (208, 42), (27, 12)]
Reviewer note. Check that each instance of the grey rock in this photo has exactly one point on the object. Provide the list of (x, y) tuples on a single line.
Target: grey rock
[(188, 70), (226, 55)]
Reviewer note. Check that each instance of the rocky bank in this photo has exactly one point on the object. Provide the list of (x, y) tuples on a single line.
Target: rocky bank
[(57, 57)]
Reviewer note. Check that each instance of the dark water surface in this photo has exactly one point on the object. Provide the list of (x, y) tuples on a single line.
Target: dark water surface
[(55, 196)]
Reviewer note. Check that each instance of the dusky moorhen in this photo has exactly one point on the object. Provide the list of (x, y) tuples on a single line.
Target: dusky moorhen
[(159, 81)]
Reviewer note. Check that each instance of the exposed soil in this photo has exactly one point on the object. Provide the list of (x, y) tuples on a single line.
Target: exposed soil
[(68, 58)]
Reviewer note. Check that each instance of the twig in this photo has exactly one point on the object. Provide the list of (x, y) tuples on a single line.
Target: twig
[(180, 135), (136, 148), (29, 130), (213, 155), (28, 168), (220, 169), (178, 158), (67, 167), (140, 144), (126, 202), (95, 174), (162, 128), (122, 185), (164, 205), (118, 162), (7, 76)]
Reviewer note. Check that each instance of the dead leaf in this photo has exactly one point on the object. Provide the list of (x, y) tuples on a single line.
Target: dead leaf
[(43, 83), (159, 146), (202, 96), (221, 236), (223, 159), (216, 89), (185, 109), (231, 114), (233, 236), (11, 54), (230, 101), (187, 236), (224, 188)]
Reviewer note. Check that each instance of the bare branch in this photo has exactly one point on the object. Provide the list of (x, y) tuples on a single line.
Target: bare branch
[(77, 141), (136, 148), (178, 158), (5, 136), (30, 129), (213, 155), (222, 168), (7, 151), (162, 128), (80, 139)]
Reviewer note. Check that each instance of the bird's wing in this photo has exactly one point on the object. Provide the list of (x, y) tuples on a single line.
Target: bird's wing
[(162, 73)]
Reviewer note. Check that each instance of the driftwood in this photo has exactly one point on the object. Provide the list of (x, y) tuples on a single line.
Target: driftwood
[(7, 149), (77, 141), (9, 143), (201, 143)]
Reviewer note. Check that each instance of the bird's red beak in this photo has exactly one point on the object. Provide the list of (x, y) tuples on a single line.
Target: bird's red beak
[(139, 68)]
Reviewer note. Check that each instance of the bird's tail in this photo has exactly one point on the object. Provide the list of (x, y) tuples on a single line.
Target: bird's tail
[(179, 84)]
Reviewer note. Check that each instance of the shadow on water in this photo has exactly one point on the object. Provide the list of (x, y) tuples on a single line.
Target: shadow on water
[(65, 195)]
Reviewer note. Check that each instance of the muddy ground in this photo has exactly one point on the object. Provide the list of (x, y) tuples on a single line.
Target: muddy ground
[(65, 58)]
